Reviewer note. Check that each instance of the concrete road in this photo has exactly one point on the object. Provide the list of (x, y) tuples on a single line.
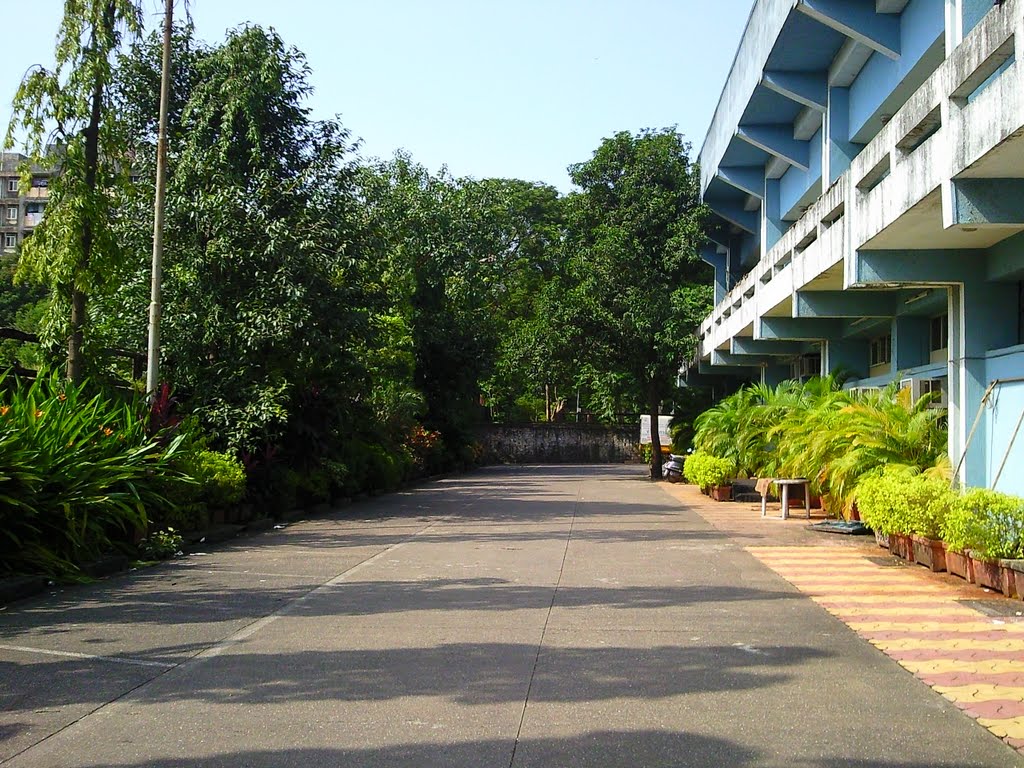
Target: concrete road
[(568, 616)]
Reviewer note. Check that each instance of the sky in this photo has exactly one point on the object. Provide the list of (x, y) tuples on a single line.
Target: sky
[(512, 89)]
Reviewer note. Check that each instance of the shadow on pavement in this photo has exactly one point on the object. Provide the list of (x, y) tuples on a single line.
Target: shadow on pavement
[(595, 749), (484, 673), (202, 604)]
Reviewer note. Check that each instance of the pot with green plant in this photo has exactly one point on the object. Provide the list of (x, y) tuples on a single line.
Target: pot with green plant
[(988, 527), (929, 501), (908, 508), (883, 508), (711, 474)]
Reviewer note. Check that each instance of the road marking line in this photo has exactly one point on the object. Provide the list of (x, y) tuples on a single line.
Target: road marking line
[(88, 656)]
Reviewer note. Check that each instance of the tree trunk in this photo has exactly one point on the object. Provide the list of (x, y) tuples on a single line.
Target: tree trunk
[(653, 406), (75, 369), (91, 132)]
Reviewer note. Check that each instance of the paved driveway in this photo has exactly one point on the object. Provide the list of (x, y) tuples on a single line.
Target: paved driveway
[(540, 616)]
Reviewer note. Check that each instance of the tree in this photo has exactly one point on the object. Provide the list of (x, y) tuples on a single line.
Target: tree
[(641, 287), (73, 251)]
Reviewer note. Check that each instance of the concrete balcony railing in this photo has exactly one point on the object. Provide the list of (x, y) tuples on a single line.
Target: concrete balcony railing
[(972, 103)]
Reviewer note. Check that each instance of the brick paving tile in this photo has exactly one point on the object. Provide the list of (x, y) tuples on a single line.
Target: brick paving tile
[(908, 613)]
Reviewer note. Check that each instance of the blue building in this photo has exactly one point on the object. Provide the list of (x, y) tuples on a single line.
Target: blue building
[(865, 173)]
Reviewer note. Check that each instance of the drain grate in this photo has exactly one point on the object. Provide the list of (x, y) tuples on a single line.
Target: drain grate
[(1001, 608)]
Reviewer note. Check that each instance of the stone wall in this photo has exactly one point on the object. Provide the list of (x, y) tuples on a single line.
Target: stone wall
[(559, 443)]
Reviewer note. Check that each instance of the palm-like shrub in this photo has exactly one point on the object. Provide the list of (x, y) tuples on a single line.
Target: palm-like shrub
[(77, 474), (833, 437)]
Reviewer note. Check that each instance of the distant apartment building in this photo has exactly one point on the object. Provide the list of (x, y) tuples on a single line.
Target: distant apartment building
[(20, 210), (865, 172)]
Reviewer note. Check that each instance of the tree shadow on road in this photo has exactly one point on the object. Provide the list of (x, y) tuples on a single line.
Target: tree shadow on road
[(593, 749)]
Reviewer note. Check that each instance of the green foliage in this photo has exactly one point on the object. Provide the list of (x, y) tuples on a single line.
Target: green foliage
[(706, 471), (161, 545), (688, 403), (220, 478), (78, 474), (818, 431), (988, 523), (639, 288), (74, 251), (896, 500)]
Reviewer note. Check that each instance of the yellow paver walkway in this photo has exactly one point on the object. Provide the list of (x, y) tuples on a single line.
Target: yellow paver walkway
[(974, 660)]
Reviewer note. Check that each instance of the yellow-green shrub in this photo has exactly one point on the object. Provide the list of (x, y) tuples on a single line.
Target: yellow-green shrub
[(989, 523), (705, 471), (898, 501)]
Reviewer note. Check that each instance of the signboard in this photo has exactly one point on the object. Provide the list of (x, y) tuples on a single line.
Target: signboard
[(645, 430)]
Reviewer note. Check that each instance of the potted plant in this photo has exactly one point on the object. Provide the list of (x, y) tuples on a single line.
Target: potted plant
[(884, 508), (989, 526), (956, 534), (711, 474), (928, 500)]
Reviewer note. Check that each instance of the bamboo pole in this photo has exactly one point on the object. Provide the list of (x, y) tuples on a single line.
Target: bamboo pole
[(153, 347)]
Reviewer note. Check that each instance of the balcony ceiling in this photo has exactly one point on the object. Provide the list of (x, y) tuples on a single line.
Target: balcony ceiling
[(805, 45)]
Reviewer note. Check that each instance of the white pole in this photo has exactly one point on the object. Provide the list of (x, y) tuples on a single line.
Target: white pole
[(153, 348)]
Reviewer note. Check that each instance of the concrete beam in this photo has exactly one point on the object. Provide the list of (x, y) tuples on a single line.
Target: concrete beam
[(777, 140), (988, 202), (727, 358), (746, 178), (708, 369), (807, 88), (859, 22), (918, 267), (744, 345), (798, 329), (845, 304), (735, 215)]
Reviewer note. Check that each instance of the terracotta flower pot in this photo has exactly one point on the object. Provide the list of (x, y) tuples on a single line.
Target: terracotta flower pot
[(1008, 577), (1014, 569), (930, 553), (721, 492), (959, 564), (987, 573), (902, 546)]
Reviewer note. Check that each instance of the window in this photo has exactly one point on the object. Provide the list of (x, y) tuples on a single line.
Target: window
[(10, 241), (881, 350), (40, 182), (939, 336), (12, 213), (12, 185)]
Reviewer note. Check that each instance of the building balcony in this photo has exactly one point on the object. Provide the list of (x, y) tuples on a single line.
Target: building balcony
[(945, 173)]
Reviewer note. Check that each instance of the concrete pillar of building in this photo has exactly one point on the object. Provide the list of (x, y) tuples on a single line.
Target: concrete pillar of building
[(954, 24), (846, 356), (839, 151), (772, 225), (773, 375), (977, 323), (910, 342)]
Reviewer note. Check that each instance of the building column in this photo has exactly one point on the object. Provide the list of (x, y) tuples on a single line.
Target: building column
[(978, 313), (910, 342), (773, 375), (850, 356), (839, 151), (772, 225)]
